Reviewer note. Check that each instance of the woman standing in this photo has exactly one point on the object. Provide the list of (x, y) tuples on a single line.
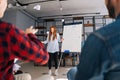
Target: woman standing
[(53, 48)]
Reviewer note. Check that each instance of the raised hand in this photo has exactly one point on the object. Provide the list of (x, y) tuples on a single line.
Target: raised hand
[(31, 30)]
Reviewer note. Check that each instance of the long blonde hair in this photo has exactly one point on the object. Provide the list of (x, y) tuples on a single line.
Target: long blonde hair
[(54, 33)]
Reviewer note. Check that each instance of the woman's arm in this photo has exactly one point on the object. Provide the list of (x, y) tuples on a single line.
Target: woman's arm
[(59, 39), (27, 47)]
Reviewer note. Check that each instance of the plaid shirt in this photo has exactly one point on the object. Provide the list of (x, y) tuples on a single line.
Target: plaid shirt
[(14, 43)]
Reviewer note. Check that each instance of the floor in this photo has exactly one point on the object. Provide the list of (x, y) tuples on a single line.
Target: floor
[(40, 72)]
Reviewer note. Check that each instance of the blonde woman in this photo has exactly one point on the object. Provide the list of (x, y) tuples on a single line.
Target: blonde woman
[(52, 42)]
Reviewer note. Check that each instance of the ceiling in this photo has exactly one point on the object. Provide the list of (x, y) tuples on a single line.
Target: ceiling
[(51, 8)]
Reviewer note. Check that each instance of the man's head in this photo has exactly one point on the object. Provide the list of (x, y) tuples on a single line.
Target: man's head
[(113, 7), (3, 6)]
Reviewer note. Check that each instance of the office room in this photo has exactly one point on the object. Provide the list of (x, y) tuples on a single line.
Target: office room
[(59, 40)]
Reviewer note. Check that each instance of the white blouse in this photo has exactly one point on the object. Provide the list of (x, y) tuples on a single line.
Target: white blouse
[(52, 45)]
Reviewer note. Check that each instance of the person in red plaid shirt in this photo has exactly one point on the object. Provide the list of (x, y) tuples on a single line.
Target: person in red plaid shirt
[(15, 43)]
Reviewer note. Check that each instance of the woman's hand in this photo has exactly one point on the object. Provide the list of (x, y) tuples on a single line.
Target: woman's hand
[(31, 30), (62, 39)]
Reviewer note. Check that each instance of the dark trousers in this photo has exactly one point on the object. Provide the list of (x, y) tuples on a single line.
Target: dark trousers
[(53, 57)]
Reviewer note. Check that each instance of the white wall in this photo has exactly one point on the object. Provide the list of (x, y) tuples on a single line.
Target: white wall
[(10, 16), (18, 18), (24, 21)]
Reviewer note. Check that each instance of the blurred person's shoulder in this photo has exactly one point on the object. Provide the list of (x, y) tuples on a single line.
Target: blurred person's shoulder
[(108, 30)]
